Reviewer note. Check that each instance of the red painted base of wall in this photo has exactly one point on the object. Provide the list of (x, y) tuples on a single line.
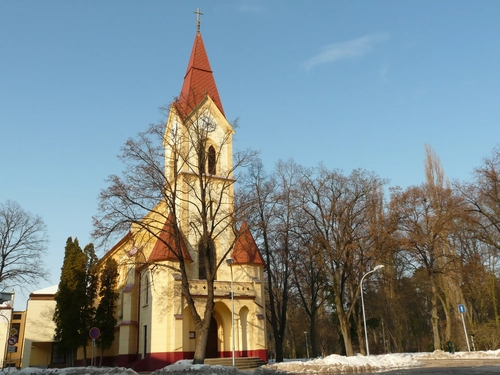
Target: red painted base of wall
[(155, 361)]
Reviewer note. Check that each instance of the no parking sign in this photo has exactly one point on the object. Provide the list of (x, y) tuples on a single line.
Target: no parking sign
[(94, 333)]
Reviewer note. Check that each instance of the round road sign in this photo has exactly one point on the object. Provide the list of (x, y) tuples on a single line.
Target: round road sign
[(94, 333), (12, 340)]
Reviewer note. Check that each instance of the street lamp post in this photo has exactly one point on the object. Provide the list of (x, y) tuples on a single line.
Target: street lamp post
[(4, 359), (230, 262), (380, 266), (7, 297), (307, 345)]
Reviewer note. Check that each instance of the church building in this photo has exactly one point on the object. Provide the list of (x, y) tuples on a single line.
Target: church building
[(155, 327)]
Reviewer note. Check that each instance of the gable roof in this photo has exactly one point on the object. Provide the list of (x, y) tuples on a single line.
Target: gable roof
[(165, 246), (198, 81), (245, 249)]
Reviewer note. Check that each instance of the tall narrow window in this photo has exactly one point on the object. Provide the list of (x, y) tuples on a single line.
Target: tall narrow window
[(201, 158), (146, 289), (120, 304), (145, 346), (211, 160)]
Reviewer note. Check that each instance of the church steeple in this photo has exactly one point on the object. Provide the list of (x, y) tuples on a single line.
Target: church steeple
[(198, 81)]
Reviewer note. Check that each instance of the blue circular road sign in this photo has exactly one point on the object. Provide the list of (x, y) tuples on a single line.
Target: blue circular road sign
[(94, 333)]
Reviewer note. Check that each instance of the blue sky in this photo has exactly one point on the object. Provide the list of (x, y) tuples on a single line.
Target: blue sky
[(352, 84)]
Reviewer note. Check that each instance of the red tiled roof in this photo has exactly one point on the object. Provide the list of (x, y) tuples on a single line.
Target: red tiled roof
[(198, 81), (245, 249), (165, 246)]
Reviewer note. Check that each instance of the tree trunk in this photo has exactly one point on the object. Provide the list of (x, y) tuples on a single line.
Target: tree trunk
[(85, 355), (278, 348), (434, 313), (345, 327), (493, 295), (312, 335), (201, 343), (446, 308)]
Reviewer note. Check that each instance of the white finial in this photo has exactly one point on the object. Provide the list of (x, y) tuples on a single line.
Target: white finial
[(198, 19)]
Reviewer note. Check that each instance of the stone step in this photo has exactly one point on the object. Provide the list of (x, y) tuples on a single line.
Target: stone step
[(241, 363)]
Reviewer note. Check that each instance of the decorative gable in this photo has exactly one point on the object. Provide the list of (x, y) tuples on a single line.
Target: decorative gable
[(165, 246), (245, 249)]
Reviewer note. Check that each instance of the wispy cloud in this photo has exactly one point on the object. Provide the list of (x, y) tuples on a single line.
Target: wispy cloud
[(346, 50), (250, 7)]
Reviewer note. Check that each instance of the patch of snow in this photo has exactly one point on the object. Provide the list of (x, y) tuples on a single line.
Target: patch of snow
[(439, 354), (331, 364), (359, 363), (90, 370), (184, 367)]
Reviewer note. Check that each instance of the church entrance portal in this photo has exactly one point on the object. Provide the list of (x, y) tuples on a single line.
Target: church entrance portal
[(213, 340)]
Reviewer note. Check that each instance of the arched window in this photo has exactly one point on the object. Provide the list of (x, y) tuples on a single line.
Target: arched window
[(201, 158), (206, 249), (212, 169), (146, 289)]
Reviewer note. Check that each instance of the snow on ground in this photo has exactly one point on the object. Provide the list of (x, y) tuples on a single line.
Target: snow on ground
[(374, 363), (331, 364)]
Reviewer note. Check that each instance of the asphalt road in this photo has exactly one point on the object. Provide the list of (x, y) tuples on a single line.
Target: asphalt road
[(480, 370)]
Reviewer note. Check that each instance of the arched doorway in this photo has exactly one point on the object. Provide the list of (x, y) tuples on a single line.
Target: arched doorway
[(212, 350)]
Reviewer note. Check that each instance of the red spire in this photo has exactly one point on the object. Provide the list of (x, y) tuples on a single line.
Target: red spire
[(165, 246), (245, 249), (198, 81)]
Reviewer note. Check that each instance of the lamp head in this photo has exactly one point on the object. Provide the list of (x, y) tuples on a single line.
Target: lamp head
[(230, 261), (378, 267)]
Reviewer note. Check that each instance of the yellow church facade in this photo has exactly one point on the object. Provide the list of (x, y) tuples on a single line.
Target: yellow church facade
[(155, 327)]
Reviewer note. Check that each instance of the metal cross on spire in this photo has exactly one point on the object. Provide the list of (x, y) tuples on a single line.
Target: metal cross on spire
[(198, 19)]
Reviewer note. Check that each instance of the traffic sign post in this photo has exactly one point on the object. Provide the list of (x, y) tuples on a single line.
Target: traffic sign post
[(11, 348), (94, 333), (461, 309)]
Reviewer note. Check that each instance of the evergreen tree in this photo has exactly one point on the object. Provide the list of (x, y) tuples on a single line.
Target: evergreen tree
[(69, 298), (105, 315), (90, 293)]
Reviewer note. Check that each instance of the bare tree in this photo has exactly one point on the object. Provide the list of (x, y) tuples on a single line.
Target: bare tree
[(23, 244), (272, 214), (450, 281), (426, 217), (342, 211), (178, 185), (311, 285), (483, 197)]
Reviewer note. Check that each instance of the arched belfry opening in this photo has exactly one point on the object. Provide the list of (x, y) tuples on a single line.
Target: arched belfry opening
[(212, 161)]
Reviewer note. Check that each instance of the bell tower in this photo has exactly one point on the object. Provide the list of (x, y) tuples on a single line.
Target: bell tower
[(199, 161)]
